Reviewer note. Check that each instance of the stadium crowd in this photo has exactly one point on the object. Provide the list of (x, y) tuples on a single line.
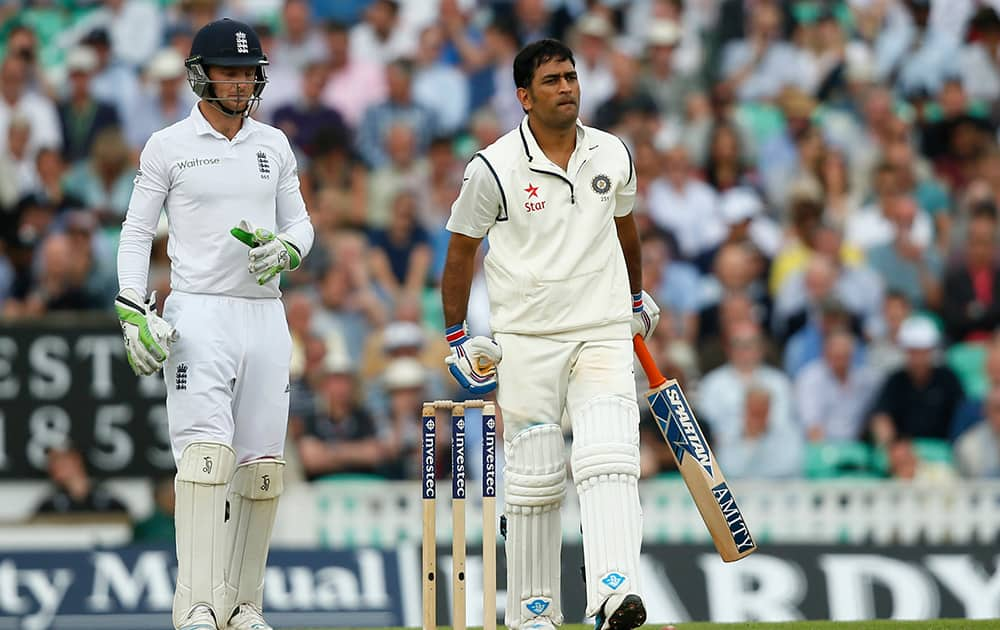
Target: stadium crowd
[(818, 192)]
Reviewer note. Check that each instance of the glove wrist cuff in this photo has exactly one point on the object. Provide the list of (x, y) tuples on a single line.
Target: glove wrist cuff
[(456, 335), (637, 302)]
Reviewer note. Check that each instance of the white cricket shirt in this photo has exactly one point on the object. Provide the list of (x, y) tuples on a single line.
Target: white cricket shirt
[(554, 262), (207, 184)]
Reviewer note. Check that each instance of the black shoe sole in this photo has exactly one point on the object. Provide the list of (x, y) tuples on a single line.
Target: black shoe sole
[(631, 614)]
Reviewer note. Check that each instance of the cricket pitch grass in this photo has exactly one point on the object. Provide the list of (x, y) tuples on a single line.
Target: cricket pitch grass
[(937, 624)]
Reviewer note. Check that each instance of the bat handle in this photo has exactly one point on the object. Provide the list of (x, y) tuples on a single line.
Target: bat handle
[(648, 364)]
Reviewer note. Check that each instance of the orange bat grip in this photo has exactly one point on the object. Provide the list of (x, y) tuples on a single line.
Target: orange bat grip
[(648, 365)]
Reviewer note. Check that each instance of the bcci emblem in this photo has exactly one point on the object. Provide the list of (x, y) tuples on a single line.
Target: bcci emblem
[(601, 184)]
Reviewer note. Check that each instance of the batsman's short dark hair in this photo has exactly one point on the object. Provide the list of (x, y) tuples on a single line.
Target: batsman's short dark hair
[(534, 55)]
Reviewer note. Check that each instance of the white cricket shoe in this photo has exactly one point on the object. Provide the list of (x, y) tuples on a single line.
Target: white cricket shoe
[(200, 617), (248, 617), (621, 612)]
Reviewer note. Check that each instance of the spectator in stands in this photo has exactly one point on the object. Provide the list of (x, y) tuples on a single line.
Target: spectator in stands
[(401, 252), (762, 449), (977, 64), (737, 269), (686, 207), (18, 100), (61, 284), (17, 169), (355, 83), (114, 82), (747, 223), (81, 116), (305, 120), (723, 391), (51, 185), (668, 87), (629, 100), (920, 399), (406, 170), (340, 436), (75, 491), (832, 393), (299, 42), (158, 527), (885, 354), (879, 222), (906, 463), (906, 265), (726, 163), (104, 181), (971, 303), (501, 43), (382, 36), (674, 284), (758, 66), (398, 108), (434, 77), (977, 450), (163, 100), (404, 380)]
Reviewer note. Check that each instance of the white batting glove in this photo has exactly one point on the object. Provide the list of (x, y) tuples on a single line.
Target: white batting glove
[(269, 254), (645, 314), (148, 336), (473, 361)]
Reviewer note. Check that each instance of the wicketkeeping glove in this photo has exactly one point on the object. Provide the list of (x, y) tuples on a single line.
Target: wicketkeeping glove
[(645, 314), (269, 254), (147, 335), (473, 361)]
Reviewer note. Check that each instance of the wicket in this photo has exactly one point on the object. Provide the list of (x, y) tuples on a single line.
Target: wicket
[(429, 493)]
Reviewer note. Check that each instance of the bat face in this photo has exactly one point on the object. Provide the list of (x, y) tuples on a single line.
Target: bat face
[(701, 473)]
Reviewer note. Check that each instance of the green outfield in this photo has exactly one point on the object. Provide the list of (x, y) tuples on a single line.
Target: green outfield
[(939, 624)]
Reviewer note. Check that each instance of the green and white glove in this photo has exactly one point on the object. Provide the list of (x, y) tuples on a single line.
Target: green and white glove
[(147, 335), (269, 254)]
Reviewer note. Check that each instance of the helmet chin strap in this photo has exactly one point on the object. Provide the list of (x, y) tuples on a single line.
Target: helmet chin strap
[(216, 102)]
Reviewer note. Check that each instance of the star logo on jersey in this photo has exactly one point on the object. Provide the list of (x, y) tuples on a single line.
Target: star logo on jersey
[(533, 206)]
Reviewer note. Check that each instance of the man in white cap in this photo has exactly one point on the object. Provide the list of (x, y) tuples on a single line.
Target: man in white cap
[(163, 100), (918, 400), (81, 116)]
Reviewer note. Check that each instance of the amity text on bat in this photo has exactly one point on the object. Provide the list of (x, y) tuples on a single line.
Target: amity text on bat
[(700, 471)]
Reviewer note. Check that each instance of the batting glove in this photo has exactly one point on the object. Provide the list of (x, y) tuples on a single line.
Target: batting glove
[(269, 254), (473, 361), (147, 335), (645, 314)]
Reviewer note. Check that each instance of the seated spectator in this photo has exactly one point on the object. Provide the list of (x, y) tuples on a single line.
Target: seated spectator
[(51, 184), (340, 436), (905, 463), (971, 303), (355, 83), (977, 450), (832, 394), (165, 99), (806, 345), (762, 449), (722, 394), (158, 527), (906, 265), (674, 283), (746, 222), (401, 253), (104, 180), (885, 355), (433, 76), (920, 399), (81, 116), (76, 492), (306, 119), (61, 284), (406, 169), (398, 108), (737, 269), (17, 168), (404, 381)]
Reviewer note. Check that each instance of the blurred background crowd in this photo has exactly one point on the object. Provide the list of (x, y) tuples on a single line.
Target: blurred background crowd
[(818, 191)]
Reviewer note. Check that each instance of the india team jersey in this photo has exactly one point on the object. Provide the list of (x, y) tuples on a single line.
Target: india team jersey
[(554, 263), (208, 184)]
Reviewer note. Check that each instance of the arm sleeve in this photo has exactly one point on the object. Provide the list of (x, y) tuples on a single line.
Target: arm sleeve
[(293, 220), (152, 181), (481, 201), (625, 195)]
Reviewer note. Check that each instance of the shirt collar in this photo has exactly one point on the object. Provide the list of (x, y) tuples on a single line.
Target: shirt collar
[(203, 127), (533, 152)]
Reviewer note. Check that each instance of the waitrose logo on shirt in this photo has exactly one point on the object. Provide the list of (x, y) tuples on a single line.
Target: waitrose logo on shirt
[(193, 162)]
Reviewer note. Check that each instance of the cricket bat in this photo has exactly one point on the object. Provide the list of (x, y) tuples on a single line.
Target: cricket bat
[(695, 460)]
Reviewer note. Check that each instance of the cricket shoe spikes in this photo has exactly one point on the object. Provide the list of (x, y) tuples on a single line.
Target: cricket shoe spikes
[(248, 617), (200, 617), (621, 611)]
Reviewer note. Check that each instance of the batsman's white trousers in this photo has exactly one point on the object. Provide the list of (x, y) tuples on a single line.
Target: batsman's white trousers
[(227, 374), (541, 378)]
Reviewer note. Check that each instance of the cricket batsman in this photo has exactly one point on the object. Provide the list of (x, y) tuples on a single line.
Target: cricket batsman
[(564, 279), (237, 220)]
